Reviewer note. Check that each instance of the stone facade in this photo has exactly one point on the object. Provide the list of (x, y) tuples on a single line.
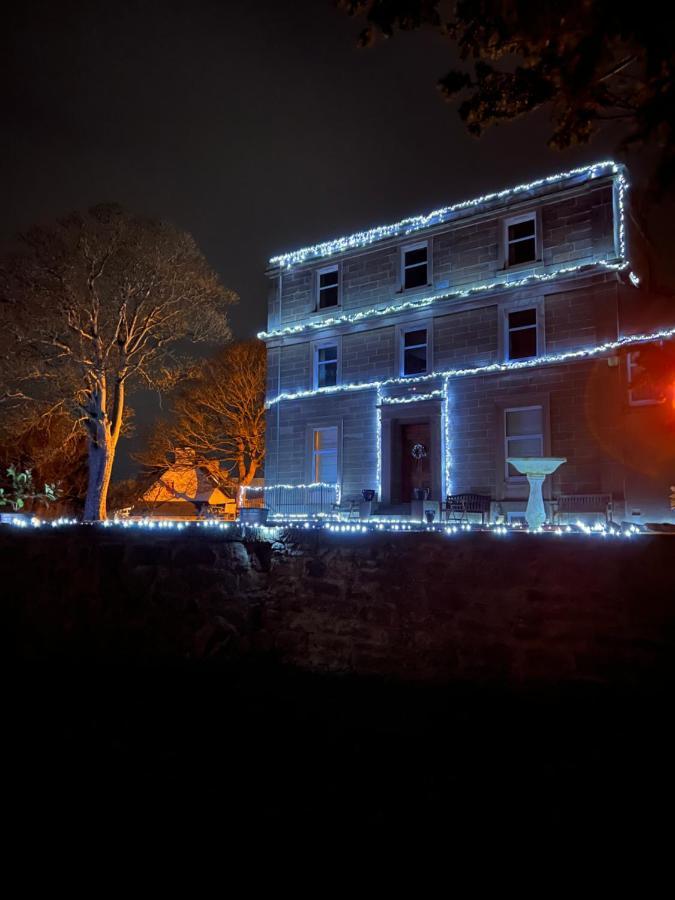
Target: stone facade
[(569, 286)]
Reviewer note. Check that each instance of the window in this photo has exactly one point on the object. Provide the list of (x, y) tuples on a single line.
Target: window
[(521, 337), (415, 266), (642, 393), (324, 454), (325, 365), (328, 285), (523, 435), (414, 351), (521, 240)]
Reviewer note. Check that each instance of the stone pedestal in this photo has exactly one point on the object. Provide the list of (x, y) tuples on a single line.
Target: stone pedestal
[(535, 512), (536, 468)]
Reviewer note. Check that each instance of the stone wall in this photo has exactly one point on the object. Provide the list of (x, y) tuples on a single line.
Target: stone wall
[(426, 607), (574, 229)]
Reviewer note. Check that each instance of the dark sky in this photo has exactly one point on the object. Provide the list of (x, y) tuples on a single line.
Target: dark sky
[(256, 126)]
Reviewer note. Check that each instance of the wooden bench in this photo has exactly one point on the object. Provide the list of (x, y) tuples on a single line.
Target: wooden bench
[(457, 507), (577, 504)]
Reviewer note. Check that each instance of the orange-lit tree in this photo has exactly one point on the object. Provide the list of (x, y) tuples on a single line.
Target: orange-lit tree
[(93, 306), (218, 413)]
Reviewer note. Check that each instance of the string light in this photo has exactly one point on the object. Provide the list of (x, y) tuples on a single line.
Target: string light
[(436, 217), (335, 526), (445, 432), (432, 395), (378, 444), (422, 302), (491, 368)]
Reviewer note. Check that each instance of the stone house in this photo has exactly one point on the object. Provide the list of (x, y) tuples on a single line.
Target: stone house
[(186, 490), (422, 354)]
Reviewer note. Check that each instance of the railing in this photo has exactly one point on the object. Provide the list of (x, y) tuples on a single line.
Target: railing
[(585, 503), (293, 500)]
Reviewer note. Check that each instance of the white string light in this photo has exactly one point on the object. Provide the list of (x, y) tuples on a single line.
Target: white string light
[(491, 368), (415, 398), (335, 526), (447, 451), (436, 217), (422, 302)]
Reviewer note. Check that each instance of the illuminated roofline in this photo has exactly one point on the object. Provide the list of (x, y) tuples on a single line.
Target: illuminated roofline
[(413, 224)]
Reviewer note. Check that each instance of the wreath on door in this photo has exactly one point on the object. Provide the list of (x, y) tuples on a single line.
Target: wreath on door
[(419, 451)]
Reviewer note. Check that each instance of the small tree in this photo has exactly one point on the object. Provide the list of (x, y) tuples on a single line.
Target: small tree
[(219, 415), (94, 306), (54, 448), (19, 488)]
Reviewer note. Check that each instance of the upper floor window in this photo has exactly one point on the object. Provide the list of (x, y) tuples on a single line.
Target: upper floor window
[(521, 239), (415, 265), (523, 435), (521, 333), (327, 287), (640, 390), (324, 454), (325, 365), (414, 351)]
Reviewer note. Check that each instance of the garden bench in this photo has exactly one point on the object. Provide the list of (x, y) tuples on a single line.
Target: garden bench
[(457, 507)]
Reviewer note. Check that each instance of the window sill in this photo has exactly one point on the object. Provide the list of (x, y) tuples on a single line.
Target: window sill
[(520, 359), (521, 267), (424, 287), (325, 309)]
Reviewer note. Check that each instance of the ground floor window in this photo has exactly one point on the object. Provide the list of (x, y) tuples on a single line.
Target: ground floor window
[(523, 435), (641, 392), (324, 454)]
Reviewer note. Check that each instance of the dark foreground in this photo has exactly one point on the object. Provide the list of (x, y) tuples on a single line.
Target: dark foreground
[(283, 752), (464, 695)]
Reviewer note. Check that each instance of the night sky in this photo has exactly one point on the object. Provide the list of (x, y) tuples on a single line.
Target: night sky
[(256, 126)]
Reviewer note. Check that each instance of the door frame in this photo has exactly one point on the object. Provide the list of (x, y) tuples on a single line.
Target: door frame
[(397, 414)]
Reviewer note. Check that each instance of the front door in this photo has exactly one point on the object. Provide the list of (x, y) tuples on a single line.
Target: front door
[(415, 458)]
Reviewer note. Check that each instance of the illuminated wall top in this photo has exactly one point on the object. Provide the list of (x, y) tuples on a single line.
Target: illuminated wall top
[(438, 216)]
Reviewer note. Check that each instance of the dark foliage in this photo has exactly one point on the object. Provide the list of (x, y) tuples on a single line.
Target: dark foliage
[(590, 62)]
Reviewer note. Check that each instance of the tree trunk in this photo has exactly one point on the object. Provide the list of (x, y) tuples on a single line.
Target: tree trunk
[(102, 445), (101, 458)]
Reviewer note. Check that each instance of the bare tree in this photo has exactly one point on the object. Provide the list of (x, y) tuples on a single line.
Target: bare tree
[(218, 414), (92, 307)]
